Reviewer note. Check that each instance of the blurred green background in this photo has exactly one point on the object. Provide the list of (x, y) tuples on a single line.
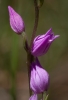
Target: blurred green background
[(53, 13)]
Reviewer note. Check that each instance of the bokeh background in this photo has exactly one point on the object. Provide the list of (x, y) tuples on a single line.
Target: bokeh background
[(53, 13)]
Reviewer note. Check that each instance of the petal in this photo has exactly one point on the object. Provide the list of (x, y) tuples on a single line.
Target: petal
[(56, 36), (40, 45), (49, 32), (33, 97), (53, 38), (44, 35)]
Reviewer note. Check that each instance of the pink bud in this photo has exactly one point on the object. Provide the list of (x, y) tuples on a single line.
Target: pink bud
[(39, 79), (16, 22)]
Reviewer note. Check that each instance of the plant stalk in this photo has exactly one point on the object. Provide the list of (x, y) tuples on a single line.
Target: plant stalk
[(30, 59), (42, 96), (36, 22)]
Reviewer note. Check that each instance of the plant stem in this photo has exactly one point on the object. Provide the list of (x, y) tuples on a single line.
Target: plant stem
[(29, 58), (25, 42), (27, 49), (36, 21), (28, 67), (42, 95), (29, 61)]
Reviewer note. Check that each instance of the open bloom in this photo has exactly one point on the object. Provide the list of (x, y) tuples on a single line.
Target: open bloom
[(16, 22), (39, 79), (42, 43)]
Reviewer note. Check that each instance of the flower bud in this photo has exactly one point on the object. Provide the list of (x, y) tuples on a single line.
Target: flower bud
[(39, 80), (42, 43), (16, 22)]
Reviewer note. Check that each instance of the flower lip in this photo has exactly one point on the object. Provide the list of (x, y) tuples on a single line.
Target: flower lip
[(16, 22)]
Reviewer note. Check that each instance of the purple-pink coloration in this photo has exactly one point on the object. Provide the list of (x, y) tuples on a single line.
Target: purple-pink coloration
[(42, 43), (16, 22), (39, 79), (33, 97)]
